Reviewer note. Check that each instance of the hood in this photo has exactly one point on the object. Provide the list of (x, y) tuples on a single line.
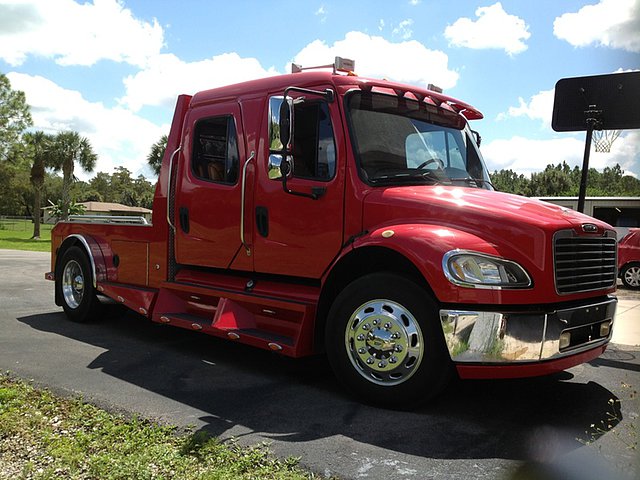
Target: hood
[(509, 223)]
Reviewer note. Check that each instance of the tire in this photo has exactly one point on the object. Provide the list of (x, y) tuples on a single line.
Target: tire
[(74, 284), (385, 344), (630, 276)]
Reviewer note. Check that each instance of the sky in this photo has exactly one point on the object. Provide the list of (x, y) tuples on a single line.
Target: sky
[(112, 70)]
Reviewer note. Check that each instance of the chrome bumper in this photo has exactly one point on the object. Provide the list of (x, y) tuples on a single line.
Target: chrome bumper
[(508, 337)]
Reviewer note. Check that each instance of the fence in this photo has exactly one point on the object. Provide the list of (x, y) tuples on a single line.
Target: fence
[(20, 224)]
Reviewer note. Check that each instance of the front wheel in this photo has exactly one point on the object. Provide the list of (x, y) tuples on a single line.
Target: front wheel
[(630, 276), (384, 341), (74, 283)]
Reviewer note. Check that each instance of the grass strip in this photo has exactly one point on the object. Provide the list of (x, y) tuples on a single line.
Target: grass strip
[(46, 437), (16, 235)]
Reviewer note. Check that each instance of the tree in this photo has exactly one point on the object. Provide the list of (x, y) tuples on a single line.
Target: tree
[(510, 181), (154, 159), (38, 149), (14, 116), (562, 180), (69, 148)]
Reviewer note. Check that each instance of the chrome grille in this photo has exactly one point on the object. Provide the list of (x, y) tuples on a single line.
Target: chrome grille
[(583, 264)]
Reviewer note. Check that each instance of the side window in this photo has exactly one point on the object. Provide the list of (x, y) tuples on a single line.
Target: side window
[(314, 147), (215, 150)]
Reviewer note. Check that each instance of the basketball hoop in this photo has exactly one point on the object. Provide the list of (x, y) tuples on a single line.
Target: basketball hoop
[(603, 139)]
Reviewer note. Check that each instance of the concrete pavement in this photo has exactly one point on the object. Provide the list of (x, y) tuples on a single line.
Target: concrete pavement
[(626, 328)]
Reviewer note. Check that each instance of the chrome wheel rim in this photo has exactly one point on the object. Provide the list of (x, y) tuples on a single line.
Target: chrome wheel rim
[(632, 277), (72, 284), (384, 342)]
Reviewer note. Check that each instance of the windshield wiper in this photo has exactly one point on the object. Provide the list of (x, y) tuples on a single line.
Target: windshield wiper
[(472, 181), (422, 175)]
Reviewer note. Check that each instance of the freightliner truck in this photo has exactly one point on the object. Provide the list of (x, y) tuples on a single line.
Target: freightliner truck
[(320, 212)]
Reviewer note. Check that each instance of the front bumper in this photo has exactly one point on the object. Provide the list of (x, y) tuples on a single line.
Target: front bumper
[(515, 338)]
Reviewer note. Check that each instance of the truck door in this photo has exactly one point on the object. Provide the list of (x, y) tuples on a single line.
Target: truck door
[(297, 235), (208, 191)]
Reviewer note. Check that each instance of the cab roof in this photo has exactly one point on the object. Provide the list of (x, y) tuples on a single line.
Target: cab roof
[(342, 83)]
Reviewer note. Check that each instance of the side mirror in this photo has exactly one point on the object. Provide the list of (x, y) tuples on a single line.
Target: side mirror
[(286, 121), (280, 167)]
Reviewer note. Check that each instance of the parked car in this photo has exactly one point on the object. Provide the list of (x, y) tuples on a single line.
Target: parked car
[(629, 259)]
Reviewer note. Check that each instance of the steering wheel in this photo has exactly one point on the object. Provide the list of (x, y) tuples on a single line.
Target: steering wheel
[(429, 162)]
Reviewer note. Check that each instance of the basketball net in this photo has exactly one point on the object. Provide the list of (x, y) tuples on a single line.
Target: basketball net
[(603, 139)]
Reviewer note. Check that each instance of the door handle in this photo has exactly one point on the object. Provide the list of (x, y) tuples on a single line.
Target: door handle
[(184, 219)]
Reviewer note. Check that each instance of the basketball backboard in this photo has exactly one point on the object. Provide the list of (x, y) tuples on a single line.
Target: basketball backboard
[(612, 100)]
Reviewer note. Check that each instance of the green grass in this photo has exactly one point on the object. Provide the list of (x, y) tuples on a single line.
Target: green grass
[(16, 235), (45, 437)]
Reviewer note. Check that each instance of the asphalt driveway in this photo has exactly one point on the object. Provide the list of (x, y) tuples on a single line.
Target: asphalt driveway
[(477, 429)]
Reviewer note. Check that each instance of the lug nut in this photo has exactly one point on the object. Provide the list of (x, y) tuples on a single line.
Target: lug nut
[(382, 364), (361, 337), (375, 322), (393, 360), (366, 326), (398, 348), (387, 325), (361, 350), (370, 360)]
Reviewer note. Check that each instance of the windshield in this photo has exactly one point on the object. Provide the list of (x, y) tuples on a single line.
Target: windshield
[(400, 141)]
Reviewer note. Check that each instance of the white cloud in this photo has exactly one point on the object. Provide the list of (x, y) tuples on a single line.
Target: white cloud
[(409, 62), (403, 30), (75, 34), (167, 76), (119, 137), (413, 3), (322, 13), (381, 24), (494, 28), (539, 107), (610, 23), (526, 156)]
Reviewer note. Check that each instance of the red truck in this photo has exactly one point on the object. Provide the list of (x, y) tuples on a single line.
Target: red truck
[(629, 259), (322, 212)]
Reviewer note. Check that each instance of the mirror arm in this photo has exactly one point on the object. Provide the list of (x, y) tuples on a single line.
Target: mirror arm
[(316, 192), (328, 94)]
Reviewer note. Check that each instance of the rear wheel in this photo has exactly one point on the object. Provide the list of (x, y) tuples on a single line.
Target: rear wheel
[(384, 341), (630, 276), (74, 282)]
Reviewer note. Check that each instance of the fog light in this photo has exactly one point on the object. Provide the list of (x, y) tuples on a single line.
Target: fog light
[(605, 329), (565, 340)]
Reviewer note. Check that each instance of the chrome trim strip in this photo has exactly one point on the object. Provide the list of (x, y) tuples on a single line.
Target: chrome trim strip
[(169, 188), (242, 194), (515, 337), (88, 249), (119, 219)]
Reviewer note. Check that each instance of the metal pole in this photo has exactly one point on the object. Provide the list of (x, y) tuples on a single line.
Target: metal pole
[(585, 167)]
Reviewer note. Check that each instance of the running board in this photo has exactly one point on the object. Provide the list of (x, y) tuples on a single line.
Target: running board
[(264, 318)]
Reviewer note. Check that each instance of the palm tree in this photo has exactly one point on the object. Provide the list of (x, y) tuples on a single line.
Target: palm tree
[(154, 159), (69, 148), (39, 147)]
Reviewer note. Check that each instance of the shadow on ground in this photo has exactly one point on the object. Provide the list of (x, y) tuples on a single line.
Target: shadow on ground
[(299, 400)]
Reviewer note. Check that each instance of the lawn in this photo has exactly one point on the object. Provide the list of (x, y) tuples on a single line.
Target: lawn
[(16, 235), (43, 437)]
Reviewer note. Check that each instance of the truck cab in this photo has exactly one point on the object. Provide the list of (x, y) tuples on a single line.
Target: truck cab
[(323, 212)]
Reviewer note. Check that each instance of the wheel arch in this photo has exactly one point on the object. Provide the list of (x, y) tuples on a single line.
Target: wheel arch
[(355, 264), (91, 249)]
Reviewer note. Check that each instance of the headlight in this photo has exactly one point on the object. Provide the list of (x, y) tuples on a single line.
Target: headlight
[(478, 270)]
